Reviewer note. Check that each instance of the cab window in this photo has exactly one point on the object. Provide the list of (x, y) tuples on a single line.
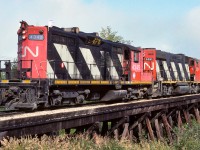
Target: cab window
[(192, 63), (136, 57), (126, 54)]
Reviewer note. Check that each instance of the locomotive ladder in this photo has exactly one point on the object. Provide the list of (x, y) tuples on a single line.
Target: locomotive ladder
[(155, 118)]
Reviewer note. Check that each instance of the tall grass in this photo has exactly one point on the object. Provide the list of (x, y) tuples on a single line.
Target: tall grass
[(79, 142), (188, 139)]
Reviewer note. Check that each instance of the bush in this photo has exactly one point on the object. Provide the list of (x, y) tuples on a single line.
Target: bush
[(189, 137)]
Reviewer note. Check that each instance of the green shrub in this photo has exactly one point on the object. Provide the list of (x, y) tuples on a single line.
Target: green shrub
[(189, 137)]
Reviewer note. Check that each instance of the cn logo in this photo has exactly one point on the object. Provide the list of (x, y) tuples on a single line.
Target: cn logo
[(148, 67), (26, 48)]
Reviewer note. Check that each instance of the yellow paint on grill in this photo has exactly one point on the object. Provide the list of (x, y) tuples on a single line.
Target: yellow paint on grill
[(84, 82), (104, 82), (173, 82), (57, 82), (116, 82), (169, 82), (4, 81), (26, 81), (73, 82), (96, 82), (140, 82), (196, 82)]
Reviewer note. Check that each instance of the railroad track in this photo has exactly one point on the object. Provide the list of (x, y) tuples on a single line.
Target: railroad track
[(67, 106), (4, 113)]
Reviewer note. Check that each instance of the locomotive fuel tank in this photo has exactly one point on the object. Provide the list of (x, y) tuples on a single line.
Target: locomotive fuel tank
[(181, 88), (114, 95)]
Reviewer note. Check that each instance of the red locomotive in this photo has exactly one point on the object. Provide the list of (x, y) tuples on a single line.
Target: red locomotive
[(58, 66)]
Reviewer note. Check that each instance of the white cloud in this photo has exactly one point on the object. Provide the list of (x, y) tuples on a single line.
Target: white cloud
[(193, 18), (191, 33), (178, 35), (193, 24)]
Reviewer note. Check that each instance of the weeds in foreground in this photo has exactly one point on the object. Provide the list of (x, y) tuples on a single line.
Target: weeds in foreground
[(79, 142), (188, 139)]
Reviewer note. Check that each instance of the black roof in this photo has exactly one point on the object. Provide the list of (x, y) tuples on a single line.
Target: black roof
[(84, 35)]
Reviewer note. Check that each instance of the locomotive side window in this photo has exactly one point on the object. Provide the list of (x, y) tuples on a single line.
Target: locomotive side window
[(36, 37), (118, 55), (192, 63), (126, 54), (136, 57)]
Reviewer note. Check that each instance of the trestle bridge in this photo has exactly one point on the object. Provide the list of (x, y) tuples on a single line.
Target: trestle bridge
[(155, 118)]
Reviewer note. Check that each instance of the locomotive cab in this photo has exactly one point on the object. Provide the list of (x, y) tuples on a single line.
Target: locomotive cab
[(32, 51), (194, 67), (134, 66), (149, 64)]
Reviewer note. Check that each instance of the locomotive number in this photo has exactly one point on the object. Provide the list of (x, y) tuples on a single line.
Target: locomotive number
[(136, 67), (37, 37)]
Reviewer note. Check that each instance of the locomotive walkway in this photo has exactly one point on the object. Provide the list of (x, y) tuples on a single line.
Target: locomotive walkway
[(155, 117)]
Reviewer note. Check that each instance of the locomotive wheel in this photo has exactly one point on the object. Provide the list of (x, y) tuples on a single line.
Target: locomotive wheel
[(170, 90), (79, 99), (11, 104), (55, 101), (2, 96), (30, 95)]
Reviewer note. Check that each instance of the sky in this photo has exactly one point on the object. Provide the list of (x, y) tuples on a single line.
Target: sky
[(168, 25)]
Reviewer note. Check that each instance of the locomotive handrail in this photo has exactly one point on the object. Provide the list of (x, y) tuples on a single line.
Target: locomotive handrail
[(9, 71), (6, 69), (113, 79), (163, 74), (57, 71)]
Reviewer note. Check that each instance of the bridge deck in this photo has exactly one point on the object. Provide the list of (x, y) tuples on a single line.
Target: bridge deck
[(53, 120)]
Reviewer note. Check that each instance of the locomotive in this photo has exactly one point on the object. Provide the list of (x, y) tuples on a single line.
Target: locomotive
[(58, 66)]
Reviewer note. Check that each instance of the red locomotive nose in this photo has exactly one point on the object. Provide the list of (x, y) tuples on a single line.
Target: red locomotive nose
[(32, 50)]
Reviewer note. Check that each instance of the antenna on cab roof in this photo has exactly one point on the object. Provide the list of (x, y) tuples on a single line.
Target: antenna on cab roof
[(50, 23)]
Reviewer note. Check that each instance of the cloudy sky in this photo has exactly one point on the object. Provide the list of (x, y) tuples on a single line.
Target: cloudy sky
[(169, 25)]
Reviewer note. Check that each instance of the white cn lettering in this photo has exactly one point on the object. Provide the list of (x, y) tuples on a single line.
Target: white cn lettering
[(148, 66), (26, 48)]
